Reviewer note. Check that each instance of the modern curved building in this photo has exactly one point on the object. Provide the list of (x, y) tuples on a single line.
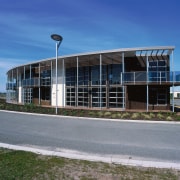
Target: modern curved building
[(129, 78)]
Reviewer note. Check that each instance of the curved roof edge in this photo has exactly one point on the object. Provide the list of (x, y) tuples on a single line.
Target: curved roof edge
[(100, 52)]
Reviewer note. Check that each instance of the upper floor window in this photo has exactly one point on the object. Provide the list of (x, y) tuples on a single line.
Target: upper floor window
[(157, 70), (157, 65)]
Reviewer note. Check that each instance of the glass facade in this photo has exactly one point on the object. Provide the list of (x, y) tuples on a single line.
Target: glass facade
[(158, 70), (36, 84), (96, 80), (90, 89), (27, 95)]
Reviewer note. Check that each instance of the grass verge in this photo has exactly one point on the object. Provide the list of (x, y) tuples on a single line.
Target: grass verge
[(25, 165)]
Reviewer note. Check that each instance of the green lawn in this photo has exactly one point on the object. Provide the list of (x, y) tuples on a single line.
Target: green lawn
[(25, 165)]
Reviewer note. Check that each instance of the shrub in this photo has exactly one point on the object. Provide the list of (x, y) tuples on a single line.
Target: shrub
[(125, 115), (114, 116), (65, 113), (100, 113), (2, 106), (178, 118), (160, 116), (135, 116), (92, 113), (50, 111), (146, 116), (169, 118), (74, 113), (152, 115), (30, 107), (170, 113), (81, 112), (107, 113), (118, 115)]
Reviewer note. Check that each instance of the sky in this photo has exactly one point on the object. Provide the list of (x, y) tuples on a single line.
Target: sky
[(85, 25)]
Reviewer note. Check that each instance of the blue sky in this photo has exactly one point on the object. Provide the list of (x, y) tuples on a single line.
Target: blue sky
[(86, 25)]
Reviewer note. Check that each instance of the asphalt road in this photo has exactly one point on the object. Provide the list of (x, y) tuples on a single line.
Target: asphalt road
[(148, 141)]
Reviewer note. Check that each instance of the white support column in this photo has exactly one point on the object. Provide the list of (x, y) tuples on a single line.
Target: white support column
[(173, 81), (147, 87), (7, 88), (100, 80), (77, 61), (24, 72), (12, 88), (63, 79), (51, 82), (20, 88), (25, 82), (39, 83), (123, 71), (17, 78), (7, 79), (12, 76), (30, 72), (17, 86), (123, 65), (30, 81), (121, 77), (56, 77), (12, 81)]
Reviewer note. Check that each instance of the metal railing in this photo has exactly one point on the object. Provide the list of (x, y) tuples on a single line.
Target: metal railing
[(31, 82), (34, 82), (11, 86), (151, 77), (138, 77)]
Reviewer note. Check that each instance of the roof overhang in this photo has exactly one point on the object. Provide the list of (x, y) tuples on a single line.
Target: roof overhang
[(129, 52)]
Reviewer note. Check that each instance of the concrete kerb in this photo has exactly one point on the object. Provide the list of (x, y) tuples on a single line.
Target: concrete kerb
[(93, 157), (96, 119)]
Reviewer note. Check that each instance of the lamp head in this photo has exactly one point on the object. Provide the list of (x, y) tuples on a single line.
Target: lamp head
[(56, 37)]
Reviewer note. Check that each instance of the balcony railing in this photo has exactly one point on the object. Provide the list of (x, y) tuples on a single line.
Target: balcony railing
[(11, 86), (45, 81), (158, 77), (34, 82), (139, 77), (31, 82)]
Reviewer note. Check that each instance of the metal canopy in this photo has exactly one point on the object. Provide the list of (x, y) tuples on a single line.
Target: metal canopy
[(140, 52), (154, 52)]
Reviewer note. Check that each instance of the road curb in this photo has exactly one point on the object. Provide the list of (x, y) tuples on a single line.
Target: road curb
[(93, 157)]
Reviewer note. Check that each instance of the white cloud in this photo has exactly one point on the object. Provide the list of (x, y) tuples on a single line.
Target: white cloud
[(8, 63)]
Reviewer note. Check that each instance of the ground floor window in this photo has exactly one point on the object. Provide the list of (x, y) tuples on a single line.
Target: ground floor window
[(12, 96), (27, 95), (98, 96), (70, 96), (116, 97), (46, 93), (83, 97), (95, 96), (85, 87), (158, 96)]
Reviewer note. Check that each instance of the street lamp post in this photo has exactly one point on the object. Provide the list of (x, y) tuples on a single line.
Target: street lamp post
[(58, 40)]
